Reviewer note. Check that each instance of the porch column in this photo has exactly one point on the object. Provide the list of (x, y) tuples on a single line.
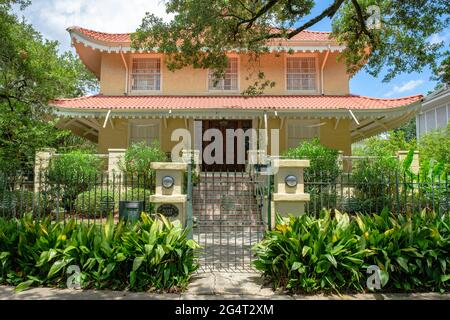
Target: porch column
[(289, 196), (169, 199), (41, 164), (114, 158), (402, 154)]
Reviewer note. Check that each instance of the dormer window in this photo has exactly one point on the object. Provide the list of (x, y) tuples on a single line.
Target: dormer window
[(301, 74), (146, 74), (229, 82)]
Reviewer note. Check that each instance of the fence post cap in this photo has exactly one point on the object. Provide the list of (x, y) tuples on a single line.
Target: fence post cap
[(292, 163), (181, 166)]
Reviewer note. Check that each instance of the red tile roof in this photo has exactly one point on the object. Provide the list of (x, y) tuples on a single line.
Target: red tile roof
[(233, 102), (306, 35)]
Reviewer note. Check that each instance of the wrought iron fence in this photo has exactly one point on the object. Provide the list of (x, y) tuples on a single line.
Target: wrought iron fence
[(93, 197), (401, 193), (83, 197)]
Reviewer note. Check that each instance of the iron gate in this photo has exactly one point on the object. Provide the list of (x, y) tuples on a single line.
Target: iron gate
[(229, 217)]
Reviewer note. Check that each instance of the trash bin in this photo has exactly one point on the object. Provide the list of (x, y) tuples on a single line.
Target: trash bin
[(131, 210)]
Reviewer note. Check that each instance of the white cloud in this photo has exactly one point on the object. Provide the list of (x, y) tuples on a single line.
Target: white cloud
[(52, 17), (405, 87), (438, 38)]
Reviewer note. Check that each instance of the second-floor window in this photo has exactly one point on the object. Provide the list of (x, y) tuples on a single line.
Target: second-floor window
[(301, 74), (146, 74), (229, 82)]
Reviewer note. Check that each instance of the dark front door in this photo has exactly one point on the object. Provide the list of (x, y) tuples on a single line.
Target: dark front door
[(226, 144)]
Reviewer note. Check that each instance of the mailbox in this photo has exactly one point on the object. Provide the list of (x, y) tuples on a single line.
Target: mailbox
[(131, 210)]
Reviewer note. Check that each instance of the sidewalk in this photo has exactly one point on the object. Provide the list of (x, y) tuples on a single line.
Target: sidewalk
[(207, 286)]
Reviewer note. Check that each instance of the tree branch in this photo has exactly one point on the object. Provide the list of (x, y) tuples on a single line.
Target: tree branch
[(361, 20), (329, 12)]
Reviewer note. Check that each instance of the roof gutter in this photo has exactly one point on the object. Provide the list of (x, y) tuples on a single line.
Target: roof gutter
[(323, 67), (126, 70)]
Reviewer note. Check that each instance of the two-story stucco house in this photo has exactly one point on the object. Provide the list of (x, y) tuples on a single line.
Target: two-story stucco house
[(140, 99)]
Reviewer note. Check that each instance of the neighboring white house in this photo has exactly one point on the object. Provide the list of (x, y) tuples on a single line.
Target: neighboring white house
[(435, 112)]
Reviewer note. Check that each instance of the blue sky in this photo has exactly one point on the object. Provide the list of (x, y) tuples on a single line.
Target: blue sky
[(52, 17)]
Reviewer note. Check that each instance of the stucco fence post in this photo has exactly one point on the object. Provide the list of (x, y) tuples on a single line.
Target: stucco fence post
[(168, 198), (289, 196), (41, 164)]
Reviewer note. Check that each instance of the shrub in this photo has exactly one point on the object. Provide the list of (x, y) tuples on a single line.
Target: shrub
[(21, 201), (435, 145), (386, 145), (102, 201), (150, 254), (374, 181), (72, 173), (137, 160), (321, 175), (311, 254), (332, 253), (97, 202), (323, 160)]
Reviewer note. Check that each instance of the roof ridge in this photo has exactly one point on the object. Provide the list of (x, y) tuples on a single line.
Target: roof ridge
[(75, 27)]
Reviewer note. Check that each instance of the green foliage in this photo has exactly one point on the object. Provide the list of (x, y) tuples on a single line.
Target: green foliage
[(321, 175), (20, 201), (384, 146), (374, 181), (332, 253), (435, 145), (139, 156), (137, 160), (33, 73), (322, 159), (408, 131), (403, 40), (150, 254), (72, 173), (98, 202)]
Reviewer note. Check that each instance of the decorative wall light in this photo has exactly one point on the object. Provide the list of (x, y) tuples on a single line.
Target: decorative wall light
[(291, 181), (168, 182)]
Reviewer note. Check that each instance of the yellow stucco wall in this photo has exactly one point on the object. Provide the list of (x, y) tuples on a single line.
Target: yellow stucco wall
[(113, 138), (335, 77), (112, 75), (338, 138), (191, 81)]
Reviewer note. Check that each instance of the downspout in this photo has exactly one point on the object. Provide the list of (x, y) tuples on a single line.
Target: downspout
[(126, 70), (323, 67)]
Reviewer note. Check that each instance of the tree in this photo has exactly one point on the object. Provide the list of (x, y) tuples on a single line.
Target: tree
[(442, 72), (401, 43), (31, 74)]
